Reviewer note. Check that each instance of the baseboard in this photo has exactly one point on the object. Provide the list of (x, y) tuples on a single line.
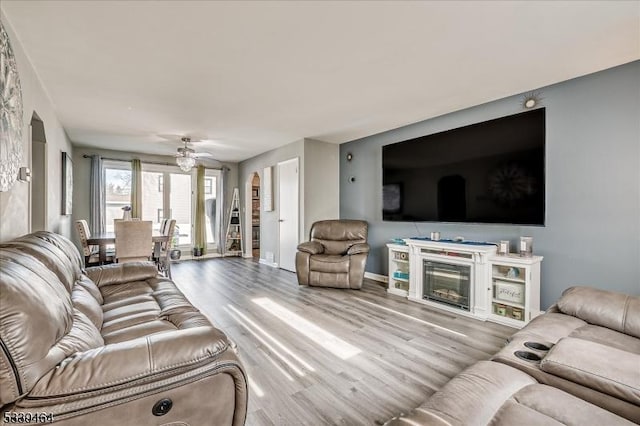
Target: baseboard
[(265, 262), (376, 277)]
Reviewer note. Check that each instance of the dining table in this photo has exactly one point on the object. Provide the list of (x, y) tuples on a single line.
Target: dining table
[(102, 240)]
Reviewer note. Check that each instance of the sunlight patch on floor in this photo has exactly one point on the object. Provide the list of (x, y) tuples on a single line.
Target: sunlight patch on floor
[(273, 350), (275, 341), (320, 336), (255, 388), (430, 324)]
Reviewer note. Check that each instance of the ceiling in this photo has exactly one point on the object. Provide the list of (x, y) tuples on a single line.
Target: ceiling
[(252, 76)]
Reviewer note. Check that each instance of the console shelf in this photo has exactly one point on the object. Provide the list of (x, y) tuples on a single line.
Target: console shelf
[(515, 289), (398, 265), (502, 289)]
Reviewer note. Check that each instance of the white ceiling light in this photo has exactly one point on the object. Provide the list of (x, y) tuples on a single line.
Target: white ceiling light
[(185, 158)]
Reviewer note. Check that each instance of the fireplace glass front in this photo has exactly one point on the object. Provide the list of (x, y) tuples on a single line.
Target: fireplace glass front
[(447, 283)]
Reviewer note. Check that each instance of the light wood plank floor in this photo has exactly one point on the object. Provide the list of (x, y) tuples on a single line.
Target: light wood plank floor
[(325, 356)]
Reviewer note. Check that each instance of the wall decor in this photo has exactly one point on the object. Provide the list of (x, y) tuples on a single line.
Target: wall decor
[(10, 115), (267, 196), (67, 184)]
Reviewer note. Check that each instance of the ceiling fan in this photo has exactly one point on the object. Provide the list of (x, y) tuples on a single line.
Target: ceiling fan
[(186, 157)]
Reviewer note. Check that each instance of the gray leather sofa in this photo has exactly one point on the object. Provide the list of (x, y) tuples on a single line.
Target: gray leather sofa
[(335, 256), (577, 364), (111, 345)]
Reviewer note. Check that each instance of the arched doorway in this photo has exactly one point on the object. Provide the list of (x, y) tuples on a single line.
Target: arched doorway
[(255, 216), (38, 187)]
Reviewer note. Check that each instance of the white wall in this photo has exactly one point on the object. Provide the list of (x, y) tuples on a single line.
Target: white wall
[(319, 188), (269, 220), (321, 183), (14, 204)]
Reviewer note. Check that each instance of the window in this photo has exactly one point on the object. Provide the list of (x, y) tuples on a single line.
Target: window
[(167, 193), (117, 191), (210, 206)]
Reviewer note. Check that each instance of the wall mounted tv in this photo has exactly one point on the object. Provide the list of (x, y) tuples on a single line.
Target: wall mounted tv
[(489, 172)]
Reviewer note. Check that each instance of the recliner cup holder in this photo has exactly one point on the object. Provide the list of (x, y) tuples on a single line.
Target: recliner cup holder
[(527, 356), (536, 346)]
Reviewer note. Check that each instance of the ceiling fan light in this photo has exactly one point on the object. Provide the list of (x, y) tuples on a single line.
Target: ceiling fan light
[(185, 163)]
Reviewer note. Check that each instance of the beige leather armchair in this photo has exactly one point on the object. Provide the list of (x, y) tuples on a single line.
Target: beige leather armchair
[(335, 256)]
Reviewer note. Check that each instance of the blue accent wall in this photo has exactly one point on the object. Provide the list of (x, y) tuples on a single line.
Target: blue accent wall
[(592, 228)]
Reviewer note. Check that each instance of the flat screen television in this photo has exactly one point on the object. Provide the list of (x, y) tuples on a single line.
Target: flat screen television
[(489, 172)]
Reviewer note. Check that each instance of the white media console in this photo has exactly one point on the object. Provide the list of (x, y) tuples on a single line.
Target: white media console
[(468, 279)]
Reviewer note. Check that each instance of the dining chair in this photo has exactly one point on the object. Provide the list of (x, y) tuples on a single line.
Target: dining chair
[(90, 252), (167, 227), (133, 240)]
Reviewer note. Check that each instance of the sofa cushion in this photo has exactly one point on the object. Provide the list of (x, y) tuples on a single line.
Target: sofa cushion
[(550, 327), (607, 337), (142, 308), (329, 263), (337, 236), (606, 369), (36, 313), (608, 309), (541, 405), (488, 393)]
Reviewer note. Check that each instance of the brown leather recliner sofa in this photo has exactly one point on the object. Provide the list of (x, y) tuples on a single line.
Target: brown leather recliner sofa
[(112, 345), (577, 364), (335, 256)]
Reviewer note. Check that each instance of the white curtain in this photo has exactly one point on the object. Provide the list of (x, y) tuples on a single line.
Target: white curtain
[(222, 241), (96, 196)]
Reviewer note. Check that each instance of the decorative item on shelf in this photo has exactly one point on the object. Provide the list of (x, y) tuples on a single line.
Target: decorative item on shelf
[(235, 218), (398, 241), (526, 246), (516, 313), (501, 309), (126, 213), (435, 236), (401, 275), (509, 292), (513, 273), (503, 248), (400, 255)]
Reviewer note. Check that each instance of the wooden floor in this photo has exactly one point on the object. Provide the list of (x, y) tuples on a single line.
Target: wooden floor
[(325, 356)]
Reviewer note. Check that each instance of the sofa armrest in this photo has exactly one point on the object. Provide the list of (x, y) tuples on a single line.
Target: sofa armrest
[(120, 273), (132, 362), (604, 368), (358, 248), (311, 247)]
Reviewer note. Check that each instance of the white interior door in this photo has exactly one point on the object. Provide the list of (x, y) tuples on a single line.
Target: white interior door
[(288, 211)]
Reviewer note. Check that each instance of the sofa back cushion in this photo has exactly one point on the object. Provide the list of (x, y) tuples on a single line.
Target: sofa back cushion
[(57, 253), (39, 326), (36, 313), (608, 309), (337, 236)]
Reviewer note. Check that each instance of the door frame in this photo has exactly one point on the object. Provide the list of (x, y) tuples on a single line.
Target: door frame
[(279, 175)]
